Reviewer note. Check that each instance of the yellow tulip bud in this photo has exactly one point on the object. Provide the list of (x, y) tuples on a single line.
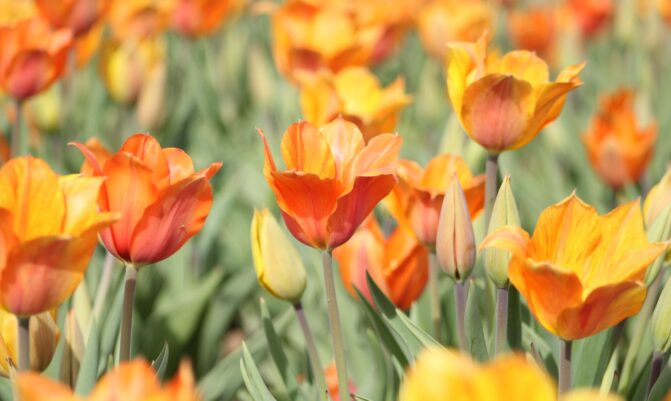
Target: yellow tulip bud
[(661, 321), (44, 335), (44, 110), (658, 199), (455, 242), (504, 213), (279, 268), (151, 101)]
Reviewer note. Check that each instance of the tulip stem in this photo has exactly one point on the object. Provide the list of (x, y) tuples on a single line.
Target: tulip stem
[(103, 285), (334, 323), (491, 185), (501, 341), (127, 318), (460, 294), (24, 343), (655, 370), (19, 145), (564, 366), (434, 296), (315, 362)]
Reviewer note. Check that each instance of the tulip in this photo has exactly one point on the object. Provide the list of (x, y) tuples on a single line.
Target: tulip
[(590, 15), (580, 273), (333, 179), (534, 30), (618, 150), (417, 199), (44, 110), (44, 335), (32, 57), (504, 214), (48, 232), (278, 265), (163, 201), (504, 101), (136, 20), (442, 21), (134, 380), (332, 383), (398, 264), (357, 95), (196, 18), (75, 15)]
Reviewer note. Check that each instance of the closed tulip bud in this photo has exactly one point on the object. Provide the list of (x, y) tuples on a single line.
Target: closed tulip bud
[(44, 335), (45, 110), (455, 242), (278, 266), (658, 199), (661, 321), (504, 213)]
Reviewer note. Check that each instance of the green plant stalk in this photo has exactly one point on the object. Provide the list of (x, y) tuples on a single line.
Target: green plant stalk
[(655, 371), (103, 285), (127, 316), (434, 296), (315, 362), (19, 145), (460, 304), (564, 366), (491, 185), (334, 323), (501, 341), (24, 343)]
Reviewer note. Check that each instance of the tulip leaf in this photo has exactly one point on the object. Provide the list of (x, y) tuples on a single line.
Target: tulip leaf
[(361, 398), (110, 327), (663, 384), (659, 231), (590, 358), (514, 319), (88, 369), (161, 362), (475, 336), (252, 378)]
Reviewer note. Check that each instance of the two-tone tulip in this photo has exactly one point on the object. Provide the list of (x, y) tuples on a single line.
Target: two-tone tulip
[(44, 335), (504, 213)]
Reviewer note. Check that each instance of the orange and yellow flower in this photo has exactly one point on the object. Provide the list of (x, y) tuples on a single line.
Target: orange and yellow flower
[(590, 16), (398, 264), (618, 149), (138, 19), (48, 232), (134, 380), (580, 273), (357, 95), (333, 179), (32, 57), (416, 201), (76, 15), (44, 335), (162, 200), (504, 101)]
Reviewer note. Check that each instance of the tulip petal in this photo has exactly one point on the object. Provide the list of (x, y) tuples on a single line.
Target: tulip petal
[(519, 379), (496, 110), (523, 65), (179, 163), (134, 380), (92, 158), (81, 194), (440, 170), (33, 387), (512, 239), (378, 156), (307, 150), (29, 73), (146, 148), (406, 265), (459, 65), (178, 214), (549, 103), (345, 141), (475, 195)]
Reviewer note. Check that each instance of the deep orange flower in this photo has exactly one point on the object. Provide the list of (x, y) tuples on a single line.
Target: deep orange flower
[(134, 380), (504, 101), (162, 200), (580, 273), (76, 15), (534, 30), (590, 15), (202, 17), (618, 150), (48, 232), (418, 197), (357, 95), (32, 57), (399, 264), (333, 179)]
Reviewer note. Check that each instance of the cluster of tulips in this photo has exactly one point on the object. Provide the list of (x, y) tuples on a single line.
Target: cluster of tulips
[(418, 248)]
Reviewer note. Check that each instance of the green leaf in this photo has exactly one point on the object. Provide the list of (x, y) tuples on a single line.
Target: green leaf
[(110, 326), (88, 370), (590, 358), (475, 336), (161, 362), (514, 319), (252, 378), (662, 386), (277, 353)]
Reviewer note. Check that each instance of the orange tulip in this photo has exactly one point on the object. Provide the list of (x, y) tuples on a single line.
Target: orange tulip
[(76, 15), (202, 17), (580, 273), (48, 232), (135, 380), (534, 30), (356, 94), (618, 150), (138, 19), (32, 57), (332, 382), (162, 200), (504, 101), (417, 199), (399, 264), (443, 21), (333, 179), (590, 15)]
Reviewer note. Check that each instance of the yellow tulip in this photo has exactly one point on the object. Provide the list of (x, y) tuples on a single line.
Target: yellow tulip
[(44, 335), (278, 265)]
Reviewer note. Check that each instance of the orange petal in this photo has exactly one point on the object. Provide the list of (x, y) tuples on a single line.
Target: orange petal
[(306, 149), (179, 163), (378, 156), (94, 156), (33, 387), (523, 65), (475, 195), (440, 169), (549, 103), (178, 214), (406, 267), (496, 110), (147, 149), (134, 380), (345, 142), (81, 194), (29, 73)]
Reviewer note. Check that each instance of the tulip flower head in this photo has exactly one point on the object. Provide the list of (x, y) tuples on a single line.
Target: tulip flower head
[(398, 264), (580, 273), (504, 213), (504, 101), (48, 232), (44, 335), (196, 18), (590, 16), (618, 149), (534, 30), (333, 179), (162, 200), (76, 15)]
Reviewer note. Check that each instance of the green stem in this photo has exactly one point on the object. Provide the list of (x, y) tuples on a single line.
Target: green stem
[(103, 285), (564, 366), (460, 297), (24, 343), (19, 145), (315, 362), (434, 296), (491, 185), (334, 323), (655, 370), (501, 342), (127, 318)]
